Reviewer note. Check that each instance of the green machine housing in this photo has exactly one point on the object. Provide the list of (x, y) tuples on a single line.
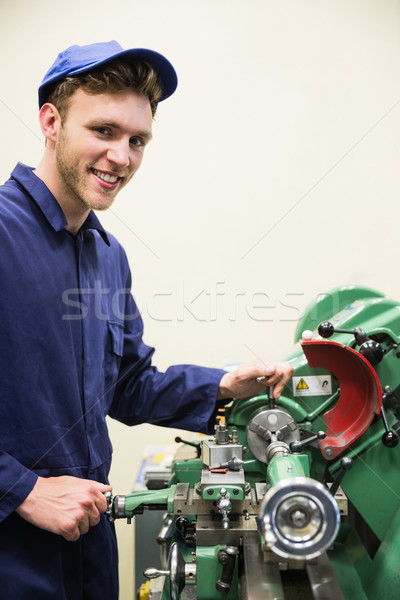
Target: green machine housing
[(300, 497)]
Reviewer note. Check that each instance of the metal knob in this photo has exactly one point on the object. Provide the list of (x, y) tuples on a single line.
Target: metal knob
[(298, 446), (180, 573), (224, 506), (370, 349), (390, 439)]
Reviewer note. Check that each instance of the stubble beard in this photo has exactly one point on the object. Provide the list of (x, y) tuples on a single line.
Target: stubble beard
[(73, 175)]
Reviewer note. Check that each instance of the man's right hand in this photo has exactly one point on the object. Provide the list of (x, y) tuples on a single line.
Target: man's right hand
[(65, 505)]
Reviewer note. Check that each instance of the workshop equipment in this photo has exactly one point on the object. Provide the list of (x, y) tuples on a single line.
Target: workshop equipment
[(296, 498)]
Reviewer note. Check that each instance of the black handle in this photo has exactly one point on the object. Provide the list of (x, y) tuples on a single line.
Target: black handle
[(369, 349), (345, 465), (390, 439), (298, 445), (227, 558), (179, 440)]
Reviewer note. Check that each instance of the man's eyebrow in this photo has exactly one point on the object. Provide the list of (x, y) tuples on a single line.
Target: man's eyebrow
[(147, 135)]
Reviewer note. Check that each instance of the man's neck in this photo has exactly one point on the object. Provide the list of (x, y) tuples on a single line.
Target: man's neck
[(75, 215)]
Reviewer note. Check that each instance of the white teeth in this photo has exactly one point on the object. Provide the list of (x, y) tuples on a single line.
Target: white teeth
[(105, 176)]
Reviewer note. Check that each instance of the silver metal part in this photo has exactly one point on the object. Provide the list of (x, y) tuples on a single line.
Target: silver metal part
[(153, 573), (342, 501), (209, 528), (208, 478), (276, 449), (234, 464), (167, 529), (221, 434), (215, 454), (165, 535), (235, 437), (322, 579), (224, 506), (262, 575), (180, 573), (210, 531), (119, 507), (156, 588), (268, 425), (190, 573), (262, 579), (188, 502), (109, 498), (299, 518), (176, 577)]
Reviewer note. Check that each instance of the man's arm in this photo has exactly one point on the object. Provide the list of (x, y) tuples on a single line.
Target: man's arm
[(242, 382), (65, 505)]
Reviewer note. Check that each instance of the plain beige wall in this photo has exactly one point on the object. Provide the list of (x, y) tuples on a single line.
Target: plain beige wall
[(273, 175)]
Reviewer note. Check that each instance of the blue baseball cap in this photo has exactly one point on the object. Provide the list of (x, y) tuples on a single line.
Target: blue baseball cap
[(79, 59)]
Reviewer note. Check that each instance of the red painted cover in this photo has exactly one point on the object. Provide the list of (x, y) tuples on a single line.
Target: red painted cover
[(360, 393)]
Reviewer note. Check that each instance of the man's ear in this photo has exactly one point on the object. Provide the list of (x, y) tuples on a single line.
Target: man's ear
[(50, 121)]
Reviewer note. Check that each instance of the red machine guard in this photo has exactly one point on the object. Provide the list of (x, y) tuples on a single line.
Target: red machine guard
[(360, 393)]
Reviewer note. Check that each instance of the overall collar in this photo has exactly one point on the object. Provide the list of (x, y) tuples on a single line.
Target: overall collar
[(48, 204)]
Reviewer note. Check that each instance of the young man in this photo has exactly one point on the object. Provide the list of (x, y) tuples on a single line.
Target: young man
[(72, 349)]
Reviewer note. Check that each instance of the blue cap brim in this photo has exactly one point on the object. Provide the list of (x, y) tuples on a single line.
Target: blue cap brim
[(79, 59)]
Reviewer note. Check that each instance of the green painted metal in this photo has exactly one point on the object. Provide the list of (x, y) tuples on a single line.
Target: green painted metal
[(372, 485), (364, 578), (350, 561), (238, 415), (382, 580), (136, 499), (186, 471), (329, 304), (213, 492), (284, 467), (209, 571)]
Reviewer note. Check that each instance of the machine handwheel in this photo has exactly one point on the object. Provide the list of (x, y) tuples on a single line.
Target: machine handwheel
[(299, 518)]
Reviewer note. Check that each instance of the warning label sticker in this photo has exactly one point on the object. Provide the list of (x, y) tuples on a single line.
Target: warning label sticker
[(312, 385)]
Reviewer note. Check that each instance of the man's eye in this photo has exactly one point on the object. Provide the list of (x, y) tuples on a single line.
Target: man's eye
[(102, 130), (134, 141)]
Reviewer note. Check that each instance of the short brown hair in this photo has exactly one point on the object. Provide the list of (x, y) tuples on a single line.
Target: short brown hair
[(113, 77)]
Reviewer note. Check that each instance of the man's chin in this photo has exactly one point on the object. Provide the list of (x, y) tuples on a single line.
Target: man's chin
[(99, 204)]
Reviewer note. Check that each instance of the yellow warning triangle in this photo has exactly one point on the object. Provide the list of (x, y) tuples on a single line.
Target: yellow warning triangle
[(302, 385)]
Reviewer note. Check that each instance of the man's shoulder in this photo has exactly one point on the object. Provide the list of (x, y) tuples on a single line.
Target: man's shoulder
[(12, 198), (14, 188)]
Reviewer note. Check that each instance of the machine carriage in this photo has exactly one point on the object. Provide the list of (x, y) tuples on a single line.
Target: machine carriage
[(300, 497)]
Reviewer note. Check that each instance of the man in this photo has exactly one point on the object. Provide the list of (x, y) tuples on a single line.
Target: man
[(72, 349)]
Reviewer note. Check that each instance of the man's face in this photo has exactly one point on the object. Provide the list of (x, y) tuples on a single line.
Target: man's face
[(100, 146)]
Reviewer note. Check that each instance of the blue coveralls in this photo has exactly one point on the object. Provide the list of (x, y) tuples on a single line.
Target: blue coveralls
[(71, 352)]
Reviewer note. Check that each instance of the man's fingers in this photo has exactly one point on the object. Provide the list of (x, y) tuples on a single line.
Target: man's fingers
[(250, 378), (75, 528), (282, 374), (71, 531), (65, 505)]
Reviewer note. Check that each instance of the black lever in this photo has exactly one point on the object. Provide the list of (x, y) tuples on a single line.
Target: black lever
[(299, 445), (271, 398), (345, 465), (179, 440), (227, 558), (369, 349), (390, 439)]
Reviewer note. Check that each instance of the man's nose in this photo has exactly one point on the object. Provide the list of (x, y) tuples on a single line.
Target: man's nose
[(118, 154)]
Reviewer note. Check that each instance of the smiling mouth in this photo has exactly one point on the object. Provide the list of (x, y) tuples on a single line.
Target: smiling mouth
[(106, 176)]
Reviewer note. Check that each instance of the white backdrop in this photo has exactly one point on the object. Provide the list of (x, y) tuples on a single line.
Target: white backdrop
[(273, 174)]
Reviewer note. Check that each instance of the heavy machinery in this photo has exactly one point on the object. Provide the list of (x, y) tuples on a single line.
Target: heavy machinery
[(296, 498)]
